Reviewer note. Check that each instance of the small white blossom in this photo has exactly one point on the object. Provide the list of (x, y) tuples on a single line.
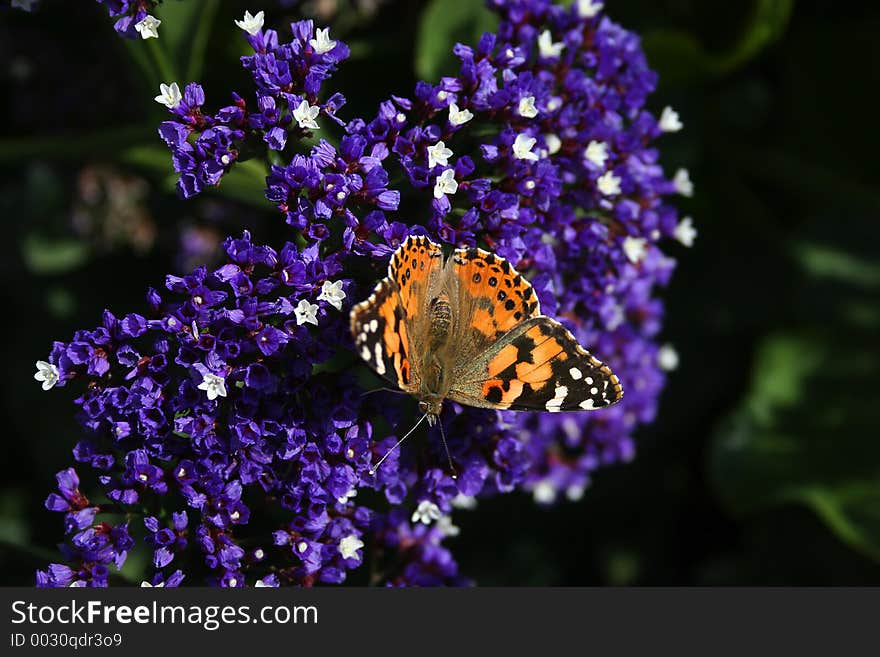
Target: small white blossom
[(148, 28), (342, 499), (47, 373), (527, 107), (169, 95), (685, 231), (446, 527), (554, 143), (634, 248), (522, 147), (322, 42), (332, 293), (446, 183), (608, 184), (574, 492), (147, 585), (349, 546), (554, 103), (682, 182), (266, 583), (544, 492), (588, 8), (546, 46), (306, 114), (442, 95), (459, 116), (426, 513), (214, 385), (438, 154), (667, 358), (251, 24), (669, 121), (597, 153), (306, 313), (462, 501)]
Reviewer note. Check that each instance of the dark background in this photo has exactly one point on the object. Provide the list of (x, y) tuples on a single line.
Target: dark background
[(764, 464)]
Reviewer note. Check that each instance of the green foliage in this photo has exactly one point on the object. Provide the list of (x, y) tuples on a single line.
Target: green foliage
[(444, 23)]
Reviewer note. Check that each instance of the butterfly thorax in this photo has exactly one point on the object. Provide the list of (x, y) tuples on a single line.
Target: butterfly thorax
[(434, 383)]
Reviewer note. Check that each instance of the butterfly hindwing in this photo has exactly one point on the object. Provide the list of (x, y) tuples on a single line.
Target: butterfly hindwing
[(538, 366)]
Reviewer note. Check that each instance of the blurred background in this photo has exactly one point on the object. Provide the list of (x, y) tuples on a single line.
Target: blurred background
[(763, 466)]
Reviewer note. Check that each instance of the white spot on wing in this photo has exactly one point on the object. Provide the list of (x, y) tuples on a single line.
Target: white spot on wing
[(555, 404), (374, 324), (587, 404), (575, 373), (365, 353), (380, 364), (589, 380)]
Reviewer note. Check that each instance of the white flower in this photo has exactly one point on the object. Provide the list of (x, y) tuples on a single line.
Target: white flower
[(527, 107), (682, 182), (332, 293), (554, 143), (685, 231), (322, 42), (588, 8), (669, 121), (426, 513), (169, 95), (522, 147), (546, 46), (306, 114), (446, 183), (306, 313), (457, 116), (147, 585), (544, 492), (251, 24), (148, 27), (608, 184), (634, 248), (574, 492), (667, 357), (263, 584), (446, 527), (214, 385), (597, 153), (47, 373), (349, 546), (352, 492), (462, 501), (438, 154)]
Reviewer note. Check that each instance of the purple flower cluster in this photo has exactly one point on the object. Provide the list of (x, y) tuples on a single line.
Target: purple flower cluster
[(230, 419), (134, 19)]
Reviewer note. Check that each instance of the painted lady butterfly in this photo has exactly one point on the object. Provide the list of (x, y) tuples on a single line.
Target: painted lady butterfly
[(470, 330)]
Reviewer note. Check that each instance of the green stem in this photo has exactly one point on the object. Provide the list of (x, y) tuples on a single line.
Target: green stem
[(160, 59), (74, 146), (200, 40)]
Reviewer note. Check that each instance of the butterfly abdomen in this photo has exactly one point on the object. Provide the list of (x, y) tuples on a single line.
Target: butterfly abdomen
[(441, 322)]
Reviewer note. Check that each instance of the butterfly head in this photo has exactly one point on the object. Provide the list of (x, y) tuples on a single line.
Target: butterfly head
[(432, 406)]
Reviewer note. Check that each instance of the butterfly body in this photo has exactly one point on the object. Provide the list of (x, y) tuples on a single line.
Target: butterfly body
[(469, 329)]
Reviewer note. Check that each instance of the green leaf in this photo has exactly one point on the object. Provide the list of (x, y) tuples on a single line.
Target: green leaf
[(828, 262), (442, 24), (43, 255), (805, 435), (679, 55)]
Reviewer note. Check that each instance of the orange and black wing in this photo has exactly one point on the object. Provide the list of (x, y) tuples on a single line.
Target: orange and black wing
[(388, 327), (538, 366)]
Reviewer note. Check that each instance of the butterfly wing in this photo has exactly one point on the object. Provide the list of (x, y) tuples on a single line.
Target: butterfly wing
[(537, 366), (490, 299), (389, 327)]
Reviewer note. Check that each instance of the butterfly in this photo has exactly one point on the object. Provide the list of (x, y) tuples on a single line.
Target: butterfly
[(470, 329)]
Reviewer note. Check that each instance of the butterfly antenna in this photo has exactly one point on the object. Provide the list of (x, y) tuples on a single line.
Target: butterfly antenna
[(446, 447), (370, 392), (397, 444)]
